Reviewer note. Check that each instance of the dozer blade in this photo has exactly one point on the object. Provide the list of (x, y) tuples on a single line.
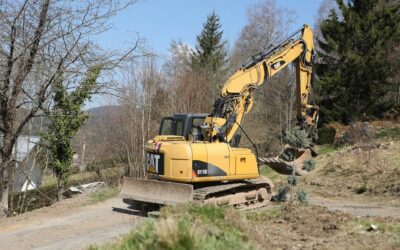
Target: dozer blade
[(285, 167), (153, 191)]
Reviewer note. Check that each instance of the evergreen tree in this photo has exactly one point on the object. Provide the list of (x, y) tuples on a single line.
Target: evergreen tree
[(355, 73), (210, 50), (208, 60), (66, 118)]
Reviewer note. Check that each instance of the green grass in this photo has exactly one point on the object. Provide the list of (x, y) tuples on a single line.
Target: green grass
[(326, 149), (270, 173), (364, 224), (102, 195), (388, 133), (189, 226), (264, 214), (83, 177)]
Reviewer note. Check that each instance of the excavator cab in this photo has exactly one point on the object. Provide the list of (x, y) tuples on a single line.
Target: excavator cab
[(183, 124)]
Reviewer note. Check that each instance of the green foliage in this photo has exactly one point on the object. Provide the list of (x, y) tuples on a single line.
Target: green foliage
[(66, 118), (326, 149), (309, 165), (326, 135), (281, 195), (302, 197), (391, 133), (210, 49), (297, 138), (355, 71), (288, 154), (190, 226), (292, 180)]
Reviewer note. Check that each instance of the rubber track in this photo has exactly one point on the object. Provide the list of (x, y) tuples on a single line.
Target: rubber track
[(201, 194)]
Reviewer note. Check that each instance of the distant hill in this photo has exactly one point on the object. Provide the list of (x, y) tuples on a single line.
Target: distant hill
[(98, 114)]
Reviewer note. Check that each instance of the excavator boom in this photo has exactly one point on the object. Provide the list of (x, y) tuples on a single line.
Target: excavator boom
[(237, 93)]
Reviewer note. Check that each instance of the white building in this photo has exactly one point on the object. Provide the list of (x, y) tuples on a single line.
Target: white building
[(30, 163)]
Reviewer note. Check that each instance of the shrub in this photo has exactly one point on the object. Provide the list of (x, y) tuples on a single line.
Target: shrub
[(302, 197), (297, 138), (309, 165), (292, 180), (190, 226), (281, 195), (326, 135)]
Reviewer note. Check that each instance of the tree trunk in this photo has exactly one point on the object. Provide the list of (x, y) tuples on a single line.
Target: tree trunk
[(5, 166), (60, 189)]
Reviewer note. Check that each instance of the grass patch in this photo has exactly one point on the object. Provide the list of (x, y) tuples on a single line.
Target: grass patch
[(272, 213), (326, 149), (363, 225), (388, 133), (270, 173), (189, 226), (80, 178), (102, 195)]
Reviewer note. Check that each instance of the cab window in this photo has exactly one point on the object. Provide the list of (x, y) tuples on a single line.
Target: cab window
[(167, 126), (170, 126)]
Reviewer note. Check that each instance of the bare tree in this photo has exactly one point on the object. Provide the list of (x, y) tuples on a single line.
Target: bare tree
[(143, 99), (189, 89), (38, 39), (267, 25)]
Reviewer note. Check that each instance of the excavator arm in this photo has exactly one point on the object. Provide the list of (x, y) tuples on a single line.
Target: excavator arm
[(236, 98)]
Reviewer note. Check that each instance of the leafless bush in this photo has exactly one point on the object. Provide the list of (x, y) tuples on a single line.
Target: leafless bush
[(365, 149)]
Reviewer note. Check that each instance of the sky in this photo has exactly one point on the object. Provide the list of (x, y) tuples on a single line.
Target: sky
[(161, 21)]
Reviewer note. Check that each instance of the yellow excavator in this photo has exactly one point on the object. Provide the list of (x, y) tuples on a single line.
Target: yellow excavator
[(196, 157)]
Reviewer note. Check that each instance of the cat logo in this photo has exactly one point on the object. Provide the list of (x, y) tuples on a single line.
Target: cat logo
[(155, 163)]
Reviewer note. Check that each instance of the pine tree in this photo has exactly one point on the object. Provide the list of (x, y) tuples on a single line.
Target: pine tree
[(208, 60), (355, 73), (210, 50)]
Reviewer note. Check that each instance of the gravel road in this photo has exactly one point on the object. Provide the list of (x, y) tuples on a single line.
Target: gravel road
[(67, 225)]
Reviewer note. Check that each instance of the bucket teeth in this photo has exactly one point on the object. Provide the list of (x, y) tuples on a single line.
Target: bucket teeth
[(286, 167)]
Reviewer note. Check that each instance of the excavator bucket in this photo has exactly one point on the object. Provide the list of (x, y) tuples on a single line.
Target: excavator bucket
[(285, 167), (158, 192)]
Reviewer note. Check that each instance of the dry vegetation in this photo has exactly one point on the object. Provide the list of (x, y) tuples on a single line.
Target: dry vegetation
[(368, 170), (287, 227)]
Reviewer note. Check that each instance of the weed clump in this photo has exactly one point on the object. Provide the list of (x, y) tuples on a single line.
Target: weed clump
[(281, 195), (309, 165), (191, 226), (302, 197)]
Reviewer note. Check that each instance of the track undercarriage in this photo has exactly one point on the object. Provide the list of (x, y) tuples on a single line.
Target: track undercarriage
[(151, 194)]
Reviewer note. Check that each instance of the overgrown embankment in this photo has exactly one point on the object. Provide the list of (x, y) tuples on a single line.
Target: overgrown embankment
[(363, 167), (46, 195)]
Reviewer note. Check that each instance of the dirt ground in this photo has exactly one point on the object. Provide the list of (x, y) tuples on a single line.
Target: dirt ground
[(69, 224), (316, 227)]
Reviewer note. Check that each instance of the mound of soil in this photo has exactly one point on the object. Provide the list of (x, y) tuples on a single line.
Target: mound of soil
[(315, 227)]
